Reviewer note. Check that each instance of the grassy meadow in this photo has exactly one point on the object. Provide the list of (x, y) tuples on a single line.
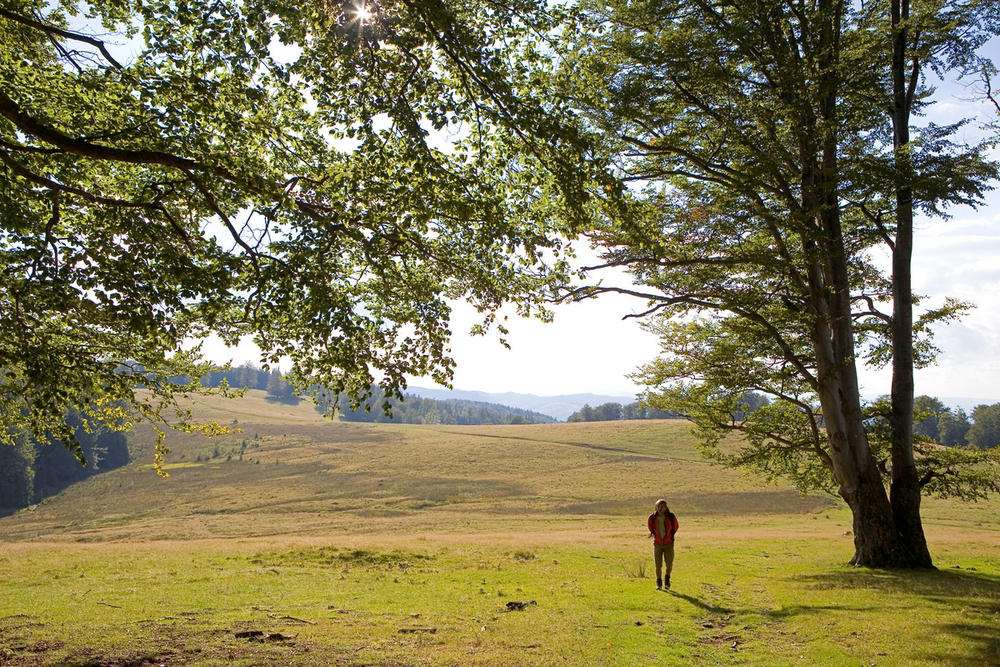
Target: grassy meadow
[(305, 541)]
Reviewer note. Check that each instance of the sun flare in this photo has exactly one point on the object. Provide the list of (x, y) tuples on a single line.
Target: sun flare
[(363, 13)]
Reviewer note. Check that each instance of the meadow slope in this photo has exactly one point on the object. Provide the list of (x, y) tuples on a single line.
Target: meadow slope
[(372, 544)]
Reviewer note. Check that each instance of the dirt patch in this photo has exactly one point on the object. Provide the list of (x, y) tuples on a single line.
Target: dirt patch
[(174, 649), (332, 556), (715, 632)]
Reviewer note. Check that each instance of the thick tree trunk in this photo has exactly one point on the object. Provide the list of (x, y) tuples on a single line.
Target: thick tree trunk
[(905, 492), (876, 541), (876, 536), (887, 531)]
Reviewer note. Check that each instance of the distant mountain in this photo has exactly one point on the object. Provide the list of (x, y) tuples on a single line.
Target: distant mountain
[(965, 403), (559, 407), (415, 409)]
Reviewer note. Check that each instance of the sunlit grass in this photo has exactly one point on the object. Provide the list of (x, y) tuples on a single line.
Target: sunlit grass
[(357, 544), (775, 602)]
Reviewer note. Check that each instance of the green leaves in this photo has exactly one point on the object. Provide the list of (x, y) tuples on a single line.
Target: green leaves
[(182, 182), (765, 173)]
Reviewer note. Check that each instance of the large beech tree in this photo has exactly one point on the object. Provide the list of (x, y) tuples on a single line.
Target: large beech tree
[(267, 169), (772, 147)]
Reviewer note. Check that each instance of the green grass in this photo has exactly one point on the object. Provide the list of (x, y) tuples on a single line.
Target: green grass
[(789, 602), (391, 545)]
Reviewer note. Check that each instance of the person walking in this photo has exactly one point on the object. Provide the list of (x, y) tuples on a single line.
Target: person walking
[(662, 524)]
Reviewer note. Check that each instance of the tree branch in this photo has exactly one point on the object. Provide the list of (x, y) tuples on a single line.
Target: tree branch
[(65, 34)]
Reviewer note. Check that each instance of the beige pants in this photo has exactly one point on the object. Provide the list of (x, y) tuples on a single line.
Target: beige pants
[(661, 553)]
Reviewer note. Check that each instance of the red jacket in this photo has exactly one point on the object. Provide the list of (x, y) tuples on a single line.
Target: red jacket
[(671, 523)]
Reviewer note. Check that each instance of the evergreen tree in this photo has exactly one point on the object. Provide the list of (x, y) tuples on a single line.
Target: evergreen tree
[(280, 389), (17, 474), (927, 412)]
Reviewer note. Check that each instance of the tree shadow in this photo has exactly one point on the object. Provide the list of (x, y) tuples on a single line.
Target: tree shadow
[(283, 400), (977, 593), (979, 589)]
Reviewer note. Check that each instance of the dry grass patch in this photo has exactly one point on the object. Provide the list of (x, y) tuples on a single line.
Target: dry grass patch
[(293, 472)]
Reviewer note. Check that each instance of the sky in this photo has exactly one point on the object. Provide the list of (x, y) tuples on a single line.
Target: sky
[(592, 346)]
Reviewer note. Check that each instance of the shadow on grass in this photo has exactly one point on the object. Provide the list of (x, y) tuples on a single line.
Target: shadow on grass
[(978, 590), (977, 594), (698, 603), (289, 400)]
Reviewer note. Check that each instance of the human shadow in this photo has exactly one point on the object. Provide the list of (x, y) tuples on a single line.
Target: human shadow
[(690, 599), (786, 612)]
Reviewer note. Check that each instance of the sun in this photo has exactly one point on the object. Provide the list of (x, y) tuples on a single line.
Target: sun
[(363, 13)]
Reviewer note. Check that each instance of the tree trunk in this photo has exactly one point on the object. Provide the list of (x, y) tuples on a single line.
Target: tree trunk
[(905, 492), (906, 496), (876, 541), (887, 532)]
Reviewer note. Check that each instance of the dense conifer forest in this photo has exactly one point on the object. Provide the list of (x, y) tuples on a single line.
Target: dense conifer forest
[(31, 471)]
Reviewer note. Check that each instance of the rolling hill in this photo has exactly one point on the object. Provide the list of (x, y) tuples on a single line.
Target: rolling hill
[(290, 471), (301, 541)]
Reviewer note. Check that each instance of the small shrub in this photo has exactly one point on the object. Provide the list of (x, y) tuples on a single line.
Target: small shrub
[(635, 569)]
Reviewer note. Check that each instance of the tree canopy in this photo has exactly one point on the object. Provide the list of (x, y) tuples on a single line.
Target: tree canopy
[(985, 430), (262, 169), (277, 170), (772, 149)]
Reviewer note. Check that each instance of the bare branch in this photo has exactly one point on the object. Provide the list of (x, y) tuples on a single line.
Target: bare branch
[(58, 32), (872, 310)]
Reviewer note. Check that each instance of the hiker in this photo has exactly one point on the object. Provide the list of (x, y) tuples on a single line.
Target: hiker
[(662, 525)]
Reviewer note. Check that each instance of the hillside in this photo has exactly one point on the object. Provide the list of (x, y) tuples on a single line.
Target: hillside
[(303, 541), (290, 471)]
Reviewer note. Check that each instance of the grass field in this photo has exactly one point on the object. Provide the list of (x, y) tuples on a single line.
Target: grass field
[(353, 544)]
